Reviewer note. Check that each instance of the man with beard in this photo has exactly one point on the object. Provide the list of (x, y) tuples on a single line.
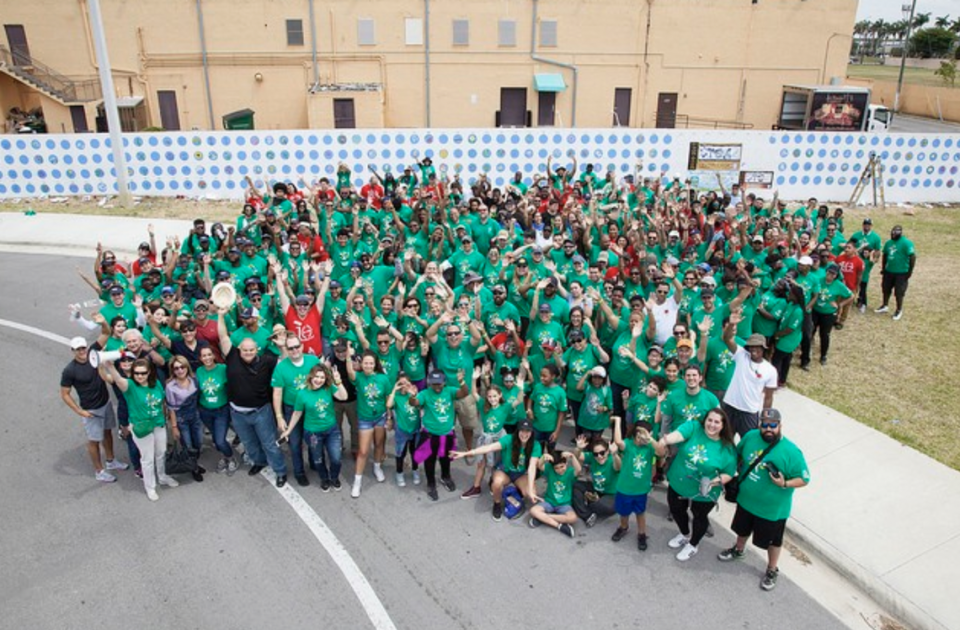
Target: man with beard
[(766, 492), (899, 259)]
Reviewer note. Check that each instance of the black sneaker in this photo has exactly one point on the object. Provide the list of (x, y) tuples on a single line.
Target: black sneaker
[(709, 532), (302, 481), (728, 555), (336, 484), (591, 520), (566, 528), (255, 469), (324, 485), (534, 523), (619, 534), (281, 481), (805, 367), (642, 542), (447, 483), (823, 360), (769, 581), (432, 493), (497, 513), (197, 476)]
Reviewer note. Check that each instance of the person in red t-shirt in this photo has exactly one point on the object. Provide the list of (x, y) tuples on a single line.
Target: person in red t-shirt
[(146, 250), (312, 244), (301, 317), (851, 268), (373, 192)]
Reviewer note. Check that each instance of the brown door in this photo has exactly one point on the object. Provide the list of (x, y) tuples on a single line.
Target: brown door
[(513, 107), (169, 112), (344, 113), (79, 118), (667, 110), (17, 38), (546, 109), (621, 107)]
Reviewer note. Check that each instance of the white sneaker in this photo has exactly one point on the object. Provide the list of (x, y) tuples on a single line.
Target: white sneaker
[(355, 490), (169, 481), (152, 495), (113, 464), (416, 477), (232, 466), (687, 552), (222, 465), (678, 541), (378, 473), (896, 318), (401, 480), (862, 308), (104, 477), (882, 309)]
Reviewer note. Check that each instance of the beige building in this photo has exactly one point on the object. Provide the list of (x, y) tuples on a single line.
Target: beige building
[(184, 64)]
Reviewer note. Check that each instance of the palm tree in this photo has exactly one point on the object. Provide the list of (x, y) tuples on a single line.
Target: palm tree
[(942, 22), (920, 20), (879, 32)]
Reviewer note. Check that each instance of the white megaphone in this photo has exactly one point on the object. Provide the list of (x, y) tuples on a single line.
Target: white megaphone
[(96, 357)]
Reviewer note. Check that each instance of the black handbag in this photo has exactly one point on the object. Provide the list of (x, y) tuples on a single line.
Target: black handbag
[(731, 489), (180, 461)]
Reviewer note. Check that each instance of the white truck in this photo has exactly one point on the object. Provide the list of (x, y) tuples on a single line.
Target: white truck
[(831, 108)]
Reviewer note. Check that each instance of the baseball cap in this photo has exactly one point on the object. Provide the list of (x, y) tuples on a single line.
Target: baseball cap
[(167, 291), (471, 277), (832, 268), (685, 343), (303, 299), (144, 245), (599, 371), (755, 340), (78, 342), (673, 233), (248, 313), (575, 335), (116, 290), (545, 308), (771, 414), (867, 221), (436, 378), (805, 260), (757, 239), (709, 280), (524, 425)]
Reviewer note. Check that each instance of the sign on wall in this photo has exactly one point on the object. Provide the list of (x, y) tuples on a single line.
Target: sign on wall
[(714, 157), (756, 179)]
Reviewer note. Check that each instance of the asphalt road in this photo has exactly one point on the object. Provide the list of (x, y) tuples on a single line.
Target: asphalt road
[(230, 552), (904, 123)]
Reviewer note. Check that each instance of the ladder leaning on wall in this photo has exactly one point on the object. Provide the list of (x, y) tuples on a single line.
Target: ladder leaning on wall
[(872, 175)]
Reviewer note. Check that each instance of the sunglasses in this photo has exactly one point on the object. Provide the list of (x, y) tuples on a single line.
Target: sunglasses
[(383, 342), (296, 347), (663, 293), (201, 308), (141, 373), (453, 333), (600, 453), (176, 368), (769, 425)]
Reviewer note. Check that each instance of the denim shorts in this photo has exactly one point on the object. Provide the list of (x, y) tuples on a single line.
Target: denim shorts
[(627, 504), (549, 508), (369, 424), (403, 438)]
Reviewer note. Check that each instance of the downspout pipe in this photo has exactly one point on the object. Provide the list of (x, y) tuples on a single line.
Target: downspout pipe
[(313, 47), (569, 66), (206, 65), (426, 57)]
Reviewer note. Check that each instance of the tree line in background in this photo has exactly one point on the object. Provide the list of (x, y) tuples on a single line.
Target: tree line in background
[(931, 38)]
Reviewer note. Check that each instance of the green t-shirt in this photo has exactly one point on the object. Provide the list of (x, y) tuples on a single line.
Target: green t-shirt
[(682, 407), (636, 469), (438, 411), (720, 366), (898, 252), (578, 364), (407, 416), (413, 365), (450, 360), (213, 386), (506, 443), (559, 487), (595, 410), (547, 403), (127, 310), (494, 419), (372, 395), (292, 378), (145, 407), (830, 295), (644, 409), (391, 361), (317, 408), (810, 284), (603, 476), (540, 332), (792, 319), (699, 456), (774, 305), (261, 336), (758, 493)]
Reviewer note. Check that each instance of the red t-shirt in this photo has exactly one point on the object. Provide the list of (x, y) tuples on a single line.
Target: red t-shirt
[(314, 247), (373, 193), (208, 332), (307, 329), (136, 264), (852, 269)]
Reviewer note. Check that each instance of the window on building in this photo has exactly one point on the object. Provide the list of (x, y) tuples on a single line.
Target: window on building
[(548, 33), (366, 35), (461, 32), (621, 106), (294, 32), (507, 33), (413, 29)]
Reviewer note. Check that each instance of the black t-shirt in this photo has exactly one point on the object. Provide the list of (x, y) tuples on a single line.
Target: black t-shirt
[(192, 356), (84, 378), (248, 384), (347, 385)]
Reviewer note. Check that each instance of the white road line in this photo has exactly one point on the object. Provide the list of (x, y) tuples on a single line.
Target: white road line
[(358, 582), (324, 535)]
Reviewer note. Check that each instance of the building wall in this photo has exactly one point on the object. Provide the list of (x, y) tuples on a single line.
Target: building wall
[(726, 59)]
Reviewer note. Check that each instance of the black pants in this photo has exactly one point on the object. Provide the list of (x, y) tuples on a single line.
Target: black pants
[(895, 283), (781, 361), (807, 339), (574, 406), (430, 466), (862, 296), (603, 507), (741, 421), (701, 509), (409, 447), (824, 322)]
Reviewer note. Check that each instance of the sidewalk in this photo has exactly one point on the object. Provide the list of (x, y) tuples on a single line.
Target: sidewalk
[(883, 515)]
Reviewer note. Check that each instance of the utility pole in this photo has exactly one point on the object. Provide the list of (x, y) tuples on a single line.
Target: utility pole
[(903, 53), (110, 104)]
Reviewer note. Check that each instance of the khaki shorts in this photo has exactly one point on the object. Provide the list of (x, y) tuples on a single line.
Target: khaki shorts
[(467, 416), (482, 439)]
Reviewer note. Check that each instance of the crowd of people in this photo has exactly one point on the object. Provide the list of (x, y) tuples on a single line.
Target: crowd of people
[(590, 337)]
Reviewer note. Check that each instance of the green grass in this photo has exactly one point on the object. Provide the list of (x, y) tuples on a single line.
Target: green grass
[(920, 76)]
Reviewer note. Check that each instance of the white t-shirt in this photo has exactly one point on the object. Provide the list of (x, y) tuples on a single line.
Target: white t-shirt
[(665, 315), (749, 380)]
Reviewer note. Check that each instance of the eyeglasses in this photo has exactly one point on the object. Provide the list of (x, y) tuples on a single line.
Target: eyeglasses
[(140, 373), (769, 425), (463, 304), (429, 294), (256, 298)]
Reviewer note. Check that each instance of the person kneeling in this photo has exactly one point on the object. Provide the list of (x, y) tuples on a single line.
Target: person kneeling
[(555, 509)]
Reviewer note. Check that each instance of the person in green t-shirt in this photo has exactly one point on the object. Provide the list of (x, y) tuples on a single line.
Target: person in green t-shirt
[(594, 499), (494, 415), (899, 259), (555, 509), (594, 414), (406, 427), (789, 332), (321, 432), (546, 406), (214, 412), (373, 387), (766, 493), (637, 460), (833, 296), (438, 438), (705, 460)]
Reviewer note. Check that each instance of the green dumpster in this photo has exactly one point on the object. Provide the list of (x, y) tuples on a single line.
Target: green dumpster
[(242, 119)]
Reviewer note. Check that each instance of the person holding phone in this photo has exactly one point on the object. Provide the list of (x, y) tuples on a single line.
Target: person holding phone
[(766, 493)]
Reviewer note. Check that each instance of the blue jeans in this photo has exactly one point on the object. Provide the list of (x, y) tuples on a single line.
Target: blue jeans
[(296, 441), (258, 432), (325, 449), (191, 429), (217, 421)]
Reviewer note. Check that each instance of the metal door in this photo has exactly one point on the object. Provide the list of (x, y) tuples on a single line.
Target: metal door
[(169, 112), (513, 107), (621, 107), (79, 118), (344, 113), (17, 38), (546, 109), (667, 110)]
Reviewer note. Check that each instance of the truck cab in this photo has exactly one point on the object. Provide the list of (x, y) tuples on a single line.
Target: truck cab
[(878, 118)]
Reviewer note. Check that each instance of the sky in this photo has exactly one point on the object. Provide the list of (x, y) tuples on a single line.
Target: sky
[(890, 10)]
